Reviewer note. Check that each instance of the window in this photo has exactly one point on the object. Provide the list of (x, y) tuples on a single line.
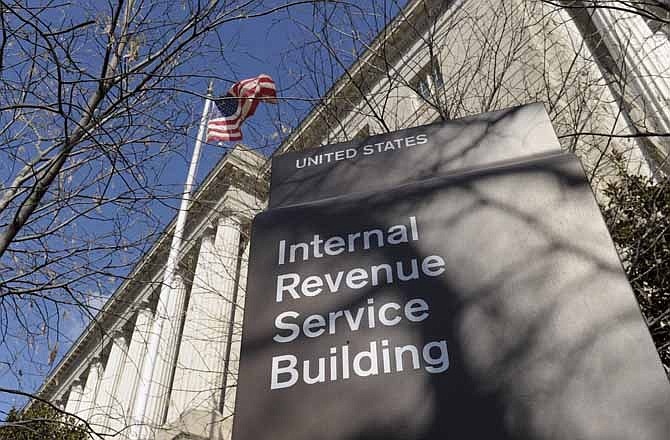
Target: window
[(436, 75), (423, 87), (429, 81)]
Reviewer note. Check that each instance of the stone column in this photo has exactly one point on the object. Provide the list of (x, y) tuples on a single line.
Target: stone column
[(233, 363), (74, 399), (645, 67), (199, 370), (167, 352), (125, 391), (87, 408), (106, 399)]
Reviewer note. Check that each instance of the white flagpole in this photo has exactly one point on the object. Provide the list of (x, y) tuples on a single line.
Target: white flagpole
[(149, 362)]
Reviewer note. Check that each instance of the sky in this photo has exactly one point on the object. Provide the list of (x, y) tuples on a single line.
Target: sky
[(274, 44)]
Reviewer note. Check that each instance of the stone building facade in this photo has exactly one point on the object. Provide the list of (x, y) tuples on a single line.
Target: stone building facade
[(600, 73)]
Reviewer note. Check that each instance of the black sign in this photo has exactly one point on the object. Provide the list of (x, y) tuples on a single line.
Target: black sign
[(406, 156), (484, 304)]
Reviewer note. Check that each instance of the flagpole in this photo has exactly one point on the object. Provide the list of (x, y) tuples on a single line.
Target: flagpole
[(161, 315)]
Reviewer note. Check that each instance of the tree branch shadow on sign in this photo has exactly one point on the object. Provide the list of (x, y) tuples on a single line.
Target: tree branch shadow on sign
[(544, 338)]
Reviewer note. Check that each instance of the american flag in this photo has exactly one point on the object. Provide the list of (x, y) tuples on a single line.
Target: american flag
[(229, 111)]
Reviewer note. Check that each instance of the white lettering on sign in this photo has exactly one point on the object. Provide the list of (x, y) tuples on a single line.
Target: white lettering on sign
[(320, 158), (380, 358), (353, 242), (415, 310), (292, 285), (291, 327)]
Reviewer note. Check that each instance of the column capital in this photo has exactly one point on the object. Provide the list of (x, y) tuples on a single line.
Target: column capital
[(95, 362), (226, 219), (231, 218), (209, 231), (119, 337), (145, 304), (180, 276)]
